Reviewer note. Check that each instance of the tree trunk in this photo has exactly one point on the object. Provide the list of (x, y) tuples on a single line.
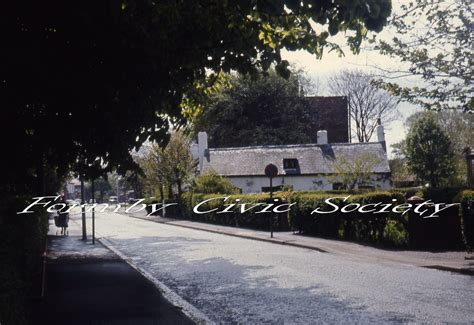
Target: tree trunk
[(178, 182), (162, 193)]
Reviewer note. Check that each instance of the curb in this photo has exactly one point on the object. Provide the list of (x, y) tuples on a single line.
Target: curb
[(450, 269), (189, 310), (273, 241)]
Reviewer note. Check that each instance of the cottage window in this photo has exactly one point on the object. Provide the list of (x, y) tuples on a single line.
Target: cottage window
[(290, 163)]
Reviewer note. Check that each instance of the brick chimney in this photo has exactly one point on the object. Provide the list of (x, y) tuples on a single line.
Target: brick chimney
[(381, 134)]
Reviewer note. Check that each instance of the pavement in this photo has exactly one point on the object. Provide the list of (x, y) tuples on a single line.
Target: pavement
[(89, 284), (453, 261)]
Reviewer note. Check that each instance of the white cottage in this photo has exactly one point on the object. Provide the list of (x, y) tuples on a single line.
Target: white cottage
[(302, 166)]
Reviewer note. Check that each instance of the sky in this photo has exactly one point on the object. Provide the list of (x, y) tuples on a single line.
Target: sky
[(368, 60)]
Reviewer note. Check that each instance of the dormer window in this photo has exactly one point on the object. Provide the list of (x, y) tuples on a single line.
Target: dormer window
[(290, 163), (291, 166)]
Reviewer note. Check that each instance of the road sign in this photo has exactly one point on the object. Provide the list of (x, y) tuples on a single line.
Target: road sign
[(271, 170)]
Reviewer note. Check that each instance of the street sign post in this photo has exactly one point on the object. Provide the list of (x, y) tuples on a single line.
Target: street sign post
[(93, 211), (271, 171)]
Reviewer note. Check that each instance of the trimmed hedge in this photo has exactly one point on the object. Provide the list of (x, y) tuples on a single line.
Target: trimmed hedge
[(22, 242), (247, 219), (393, 229), (376, 228), (466, 198), (173, 211)]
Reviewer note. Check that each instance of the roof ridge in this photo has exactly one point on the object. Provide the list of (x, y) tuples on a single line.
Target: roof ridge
[(303, 145)]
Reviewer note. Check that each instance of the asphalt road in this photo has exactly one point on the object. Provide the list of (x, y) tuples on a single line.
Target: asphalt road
[(234, 280)]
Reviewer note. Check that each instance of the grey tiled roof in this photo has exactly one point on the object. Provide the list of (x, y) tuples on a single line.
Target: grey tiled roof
[(312, 158)]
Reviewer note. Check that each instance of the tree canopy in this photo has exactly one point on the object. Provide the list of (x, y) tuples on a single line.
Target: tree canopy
[(457, 126), (429, 152), (268, 110), (368, 105), (90, 81), (434, 39)]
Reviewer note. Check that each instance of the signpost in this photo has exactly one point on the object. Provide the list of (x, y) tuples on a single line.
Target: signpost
[(93, 211), (271, 171)]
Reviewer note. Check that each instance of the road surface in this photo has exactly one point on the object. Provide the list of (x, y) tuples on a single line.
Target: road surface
[(235, 280)]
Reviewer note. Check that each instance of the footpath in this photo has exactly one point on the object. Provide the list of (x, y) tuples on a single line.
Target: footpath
[(89, 284), (457, 261)]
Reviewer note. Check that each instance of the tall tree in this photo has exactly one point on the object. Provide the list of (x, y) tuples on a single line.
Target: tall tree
[(356, 172), (429, 152), (177, 164), (96, 79), (434, 41), (169, 166), (458, 126), (367, 103), (262, 111)]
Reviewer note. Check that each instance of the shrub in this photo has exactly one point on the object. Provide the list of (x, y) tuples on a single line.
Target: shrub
[(408, 191), (22, 242), (383, 228), (444, 195), (466, 198), (354, 225), (212, 183), (235, 218), (173, 211)]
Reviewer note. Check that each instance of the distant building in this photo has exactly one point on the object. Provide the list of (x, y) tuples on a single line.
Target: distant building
[(72, 189), (330, 114), (302, 167)]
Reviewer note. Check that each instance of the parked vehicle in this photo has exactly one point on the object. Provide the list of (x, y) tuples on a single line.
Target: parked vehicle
[(113, 200)]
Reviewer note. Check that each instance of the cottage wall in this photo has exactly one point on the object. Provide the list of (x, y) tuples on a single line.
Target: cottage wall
[(254, 184)]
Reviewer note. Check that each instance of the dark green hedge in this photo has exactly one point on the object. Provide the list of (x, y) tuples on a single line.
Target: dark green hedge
[(466, 198), (22, 242), (375, 228), (247, 219)]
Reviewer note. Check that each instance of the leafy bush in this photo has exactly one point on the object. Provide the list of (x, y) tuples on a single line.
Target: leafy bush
[(235, 218), (377, 228), (385, 228), (212, 183), (173, 211), (466, 198), (444, 195), (409, 191), (22, 242), (353, 225)]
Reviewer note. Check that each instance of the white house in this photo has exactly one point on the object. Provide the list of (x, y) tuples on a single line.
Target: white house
[(303, 167)]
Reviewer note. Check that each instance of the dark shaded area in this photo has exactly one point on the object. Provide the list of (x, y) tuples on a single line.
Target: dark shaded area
[(330, 114), (98, 291)]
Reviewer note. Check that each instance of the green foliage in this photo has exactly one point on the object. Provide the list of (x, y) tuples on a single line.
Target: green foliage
[(375, 228), (466, 198), (211, 182), (109, 77), (169, 166), (399, 171), (408, 192), (356, 172), (258, 111), (457, 126), (429, 153), (247, 219), (176, 164), (22, 242), (441, 55)]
